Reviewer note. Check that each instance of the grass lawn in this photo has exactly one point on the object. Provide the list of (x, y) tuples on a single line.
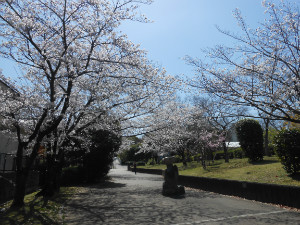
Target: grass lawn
[(36, 210), (269, 170)]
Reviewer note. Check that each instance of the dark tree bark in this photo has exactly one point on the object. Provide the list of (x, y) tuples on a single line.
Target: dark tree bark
[(23, 171), (266, 144), (21, 178), (225, 152)]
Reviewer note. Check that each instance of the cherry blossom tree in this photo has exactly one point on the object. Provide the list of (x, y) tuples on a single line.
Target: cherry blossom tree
[(220, 116), (180, 128), (78, 69), (262, 70), (167, 128)]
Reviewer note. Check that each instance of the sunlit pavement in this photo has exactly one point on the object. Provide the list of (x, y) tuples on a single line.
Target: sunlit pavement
[(136, 199)]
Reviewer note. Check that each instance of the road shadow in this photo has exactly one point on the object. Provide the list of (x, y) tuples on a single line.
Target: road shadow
[(108, 184), (175, 196), (128, 199)]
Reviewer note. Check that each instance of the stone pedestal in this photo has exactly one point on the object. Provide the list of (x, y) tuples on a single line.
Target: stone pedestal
[(170, 185)]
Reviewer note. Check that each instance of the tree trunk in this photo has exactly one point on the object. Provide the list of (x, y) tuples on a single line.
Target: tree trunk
[(183, 158), (53, 174), (22, 173), (203, 163), (19, 194), (267, 153), (21, 177), (48, 187), (225, 152), (57, 180)]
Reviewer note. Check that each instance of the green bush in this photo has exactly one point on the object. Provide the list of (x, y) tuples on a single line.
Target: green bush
[(133, 152), (72, 176), (221, 155), (98, 161), (250, 136), (151, 161), (218, 155), (178, 158), (140, 163), (238, 153), (130, 163), (287, 147), (197, 157), (271, 149)]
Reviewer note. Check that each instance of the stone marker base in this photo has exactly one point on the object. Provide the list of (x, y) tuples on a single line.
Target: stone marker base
[(175, 190)]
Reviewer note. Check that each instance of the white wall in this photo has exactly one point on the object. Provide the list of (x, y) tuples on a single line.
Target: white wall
[(8, 144)]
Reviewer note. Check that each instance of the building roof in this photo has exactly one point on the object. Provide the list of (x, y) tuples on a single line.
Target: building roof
[(8, 86), (233, 144)]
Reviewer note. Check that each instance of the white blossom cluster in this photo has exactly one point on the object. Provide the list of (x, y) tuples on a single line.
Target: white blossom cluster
[(178, 127), (79, 71), (262, 70)]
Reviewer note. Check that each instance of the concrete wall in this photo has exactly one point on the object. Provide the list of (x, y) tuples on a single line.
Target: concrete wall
[(269, 193)]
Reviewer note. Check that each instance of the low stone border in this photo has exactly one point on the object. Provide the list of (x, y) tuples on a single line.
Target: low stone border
[(268, 193)]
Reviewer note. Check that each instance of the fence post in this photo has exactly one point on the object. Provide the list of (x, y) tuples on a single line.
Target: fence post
[(4, 165)]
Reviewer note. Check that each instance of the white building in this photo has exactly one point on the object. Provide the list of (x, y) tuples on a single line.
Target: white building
[(8, 142), (232, 140)]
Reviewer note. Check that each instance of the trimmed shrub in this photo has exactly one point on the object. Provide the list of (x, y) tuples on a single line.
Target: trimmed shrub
[(250, 136), (218, 155), (72, 176), (221, 155), (178, 158), (140, 163), (271, 149), (197, 157), (98, 161), (287, 147), (238, 153)]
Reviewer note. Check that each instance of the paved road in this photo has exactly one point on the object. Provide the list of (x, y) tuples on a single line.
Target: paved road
[(137, 199)]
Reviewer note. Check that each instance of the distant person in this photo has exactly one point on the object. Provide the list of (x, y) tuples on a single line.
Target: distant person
[(134, 167)]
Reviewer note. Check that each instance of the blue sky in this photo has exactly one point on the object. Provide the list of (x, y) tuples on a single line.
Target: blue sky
[(182, 27)]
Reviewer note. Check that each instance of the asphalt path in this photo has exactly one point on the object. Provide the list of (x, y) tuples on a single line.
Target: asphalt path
[(130, 198)]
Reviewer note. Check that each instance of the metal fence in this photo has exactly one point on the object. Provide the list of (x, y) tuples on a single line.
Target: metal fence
[(7, 162)]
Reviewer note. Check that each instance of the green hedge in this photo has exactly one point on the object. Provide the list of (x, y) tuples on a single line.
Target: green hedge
[(221, 155), (250, 135), (72, 176), (238, 153), (287, 145)]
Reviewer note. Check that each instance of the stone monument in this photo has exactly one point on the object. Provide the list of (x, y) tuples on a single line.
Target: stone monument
[(170, 185)]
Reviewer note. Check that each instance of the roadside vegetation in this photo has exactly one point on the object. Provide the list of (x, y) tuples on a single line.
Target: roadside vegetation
[(37, 210), (270, 170)]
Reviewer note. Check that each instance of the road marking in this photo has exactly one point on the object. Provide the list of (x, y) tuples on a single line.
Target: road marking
[(231, 217)]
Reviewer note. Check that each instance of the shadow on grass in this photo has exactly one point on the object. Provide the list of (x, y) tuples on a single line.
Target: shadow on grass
[(264, 162), (295, 176), (193, 165), (34, 212)]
